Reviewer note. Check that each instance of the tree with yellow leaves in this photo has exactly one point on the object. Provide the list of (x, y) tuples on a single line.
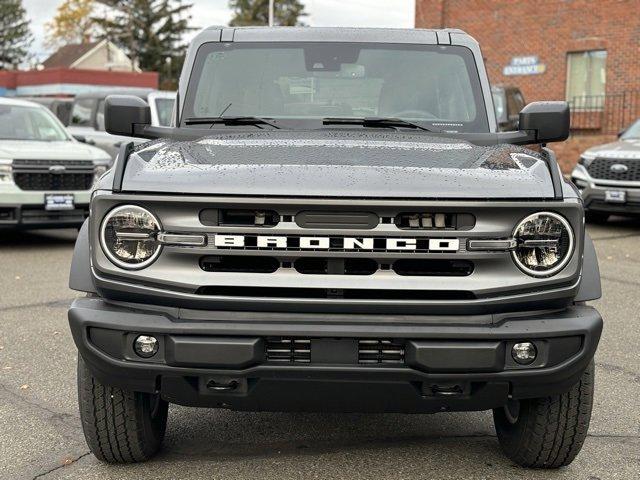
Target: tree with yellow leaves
[(73, 23)]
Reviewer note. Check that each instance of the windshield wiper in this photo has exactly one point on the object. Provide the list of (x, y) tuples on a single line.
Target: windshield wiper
[(374, 122), (229, 120)]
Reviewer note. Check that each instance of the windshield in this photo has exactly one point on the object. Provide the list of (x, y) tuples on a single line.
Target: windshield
[(19, 122), (435, 85), (632, 132), (164, 106)]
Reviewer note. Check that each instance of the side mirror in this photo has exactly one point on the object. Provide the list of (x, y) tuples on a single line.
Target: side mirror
[(126, 115), (549, 120), (622, 132)]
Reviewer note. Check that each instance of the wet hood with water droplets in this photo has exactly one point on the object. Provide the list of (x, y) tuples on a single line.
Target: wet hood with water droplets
[(336, 163)]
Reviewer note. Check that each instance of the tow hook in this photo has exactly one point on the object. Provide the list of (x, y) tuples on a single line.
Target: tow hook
[(446, 390), (227, 386)]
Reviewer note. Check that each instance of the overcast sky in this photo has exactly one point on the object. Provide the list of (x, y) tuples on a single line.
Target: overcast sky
[(322, 13)]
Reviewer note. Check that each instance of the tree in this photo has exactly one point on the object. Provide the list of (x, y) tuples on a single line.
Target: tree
[(15, 34), (73, 23), (256, 12), (151, 32)]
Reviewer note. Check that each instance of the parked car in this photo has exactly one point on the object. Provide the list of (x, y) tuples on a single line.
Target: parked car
[(61, 107), (508, 101), (45, 174), (335, 224), (608, 176), (87, 117)]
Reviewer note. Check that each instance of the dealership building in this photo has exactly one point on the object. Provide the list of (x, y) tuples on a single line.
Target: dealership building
[(585, 52)]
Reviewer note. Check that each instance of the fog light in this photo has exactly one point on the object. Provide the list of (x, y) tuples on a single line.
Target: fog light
[(524, 353), (146, 346)]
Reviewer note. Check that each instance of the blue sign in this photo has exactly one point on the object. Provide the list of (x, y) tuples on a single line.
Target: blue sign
[(525, 65)]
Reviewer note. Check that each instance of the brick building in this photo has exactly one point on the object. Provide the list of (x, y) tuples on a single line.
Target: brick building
[(584, 51)]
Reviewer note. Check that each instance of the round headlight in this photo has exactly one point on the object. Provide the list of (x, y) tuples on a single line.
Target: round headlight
[(128, 236), (544, 244)]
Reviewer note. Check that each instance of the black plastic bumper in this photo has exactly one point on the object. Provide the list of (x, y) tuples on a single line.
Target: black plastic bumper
[(594, 200), (32, 217), (452, 363)]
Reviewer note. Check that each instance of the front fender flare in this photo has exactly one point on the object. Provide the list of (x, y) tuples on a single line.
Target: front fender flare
[(80, 277), (590, 288)]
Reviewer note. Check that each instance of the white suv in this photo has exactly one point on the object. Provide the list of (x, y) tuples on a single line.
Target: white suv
[(45, 174)]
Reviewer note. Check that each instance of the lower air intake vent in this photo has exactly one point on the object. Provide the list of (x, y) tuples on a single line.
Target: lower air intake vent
[(380, 351), (288, 350)]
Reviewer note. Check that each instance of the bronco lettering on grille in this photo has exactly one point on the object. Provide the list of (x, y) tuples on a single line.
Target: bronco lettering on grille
[(272, 242)]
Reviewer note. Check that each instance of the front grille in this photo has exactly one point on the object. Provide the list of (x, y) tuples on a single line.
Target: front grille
[(601, 168), (53, 181), (380, 351), (53, 175), (288, 350)]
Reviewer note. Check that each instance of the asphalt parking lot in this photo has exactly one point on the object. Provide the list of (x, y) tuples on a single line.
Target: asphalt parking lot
[(40, 434)]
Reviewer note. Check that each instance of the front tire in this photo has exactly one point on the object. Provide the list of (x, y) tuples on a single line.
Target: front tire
[(547, 432), (119, 426)]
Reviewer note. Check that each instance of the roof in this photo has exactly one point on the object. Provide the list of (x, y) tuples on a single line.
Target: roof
[(66, 56), (446, 36), (14, 102)]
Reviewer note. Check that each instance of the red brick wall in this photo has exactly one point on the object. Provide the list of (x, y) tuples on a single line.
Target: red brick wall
[(548, 29)]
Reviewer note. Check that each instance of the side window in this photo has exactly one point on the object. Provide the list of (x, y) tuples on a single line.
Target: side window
[(100, 116), (81, 112), (586, 79)]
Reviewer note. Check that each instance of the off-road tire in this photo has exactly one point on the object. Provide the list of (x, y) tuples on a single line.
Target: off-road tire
[(548, 432), (596, 217), (120, 426)]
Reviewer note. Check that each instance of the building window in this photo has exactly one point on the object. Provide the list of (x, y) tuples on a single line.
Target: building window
[(586, 78)]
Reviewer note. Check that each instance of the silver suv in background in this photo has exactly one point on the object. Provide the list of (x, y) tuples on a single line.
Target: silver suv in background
[(45, 174), (507, 102), (87, 117), (608, 176)]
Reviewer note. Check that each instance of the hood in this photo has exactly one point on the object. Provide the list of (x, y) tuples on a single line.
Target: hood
[(622, 149), (337, 164), (63, 150)]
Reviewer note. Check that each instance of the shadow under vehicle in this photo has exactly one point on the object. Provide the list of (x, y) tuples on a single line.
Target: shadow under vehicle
[(335, 223)]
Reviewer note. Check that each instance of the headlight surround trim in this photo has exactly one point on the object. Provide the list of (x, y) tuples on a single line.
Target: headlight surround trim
[(109, 254), (556, 268)]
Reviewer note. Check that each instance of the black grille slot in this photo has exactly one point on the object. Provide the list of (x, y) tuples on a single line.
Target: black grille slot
[(380, 351), (246, 264), (53, 181), (248, 218), (288, 350), (434, 221), (338, 220), (360, 294), (37, 163), (601, 168), (336, 266), (433, 268)]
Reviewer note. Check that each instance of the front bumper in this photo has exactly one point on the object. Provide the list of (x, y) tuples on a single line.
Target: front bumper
[(25, 209), (220, 359), (594, 200)]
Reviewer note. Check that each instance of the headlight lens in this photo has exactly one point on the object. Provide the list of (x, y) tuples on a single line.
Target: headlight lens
[(545, 244), (128, 236), (5, 171), (98, 171)]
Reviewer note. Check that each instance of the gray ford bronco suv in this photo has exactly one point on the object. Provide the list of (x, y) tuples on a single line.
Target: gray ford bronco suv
[(334, 223)]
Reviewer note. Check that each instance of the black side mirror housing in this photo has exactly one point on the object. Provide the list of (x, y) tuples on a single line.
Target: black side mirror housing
[(126, 115), (80, 138), (622, 132), (549, 120)]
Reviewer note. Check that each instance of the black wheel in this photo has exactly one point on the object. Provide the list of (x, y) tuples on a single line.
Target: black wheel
[(547, 432), (120, 426), (596, 217)]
